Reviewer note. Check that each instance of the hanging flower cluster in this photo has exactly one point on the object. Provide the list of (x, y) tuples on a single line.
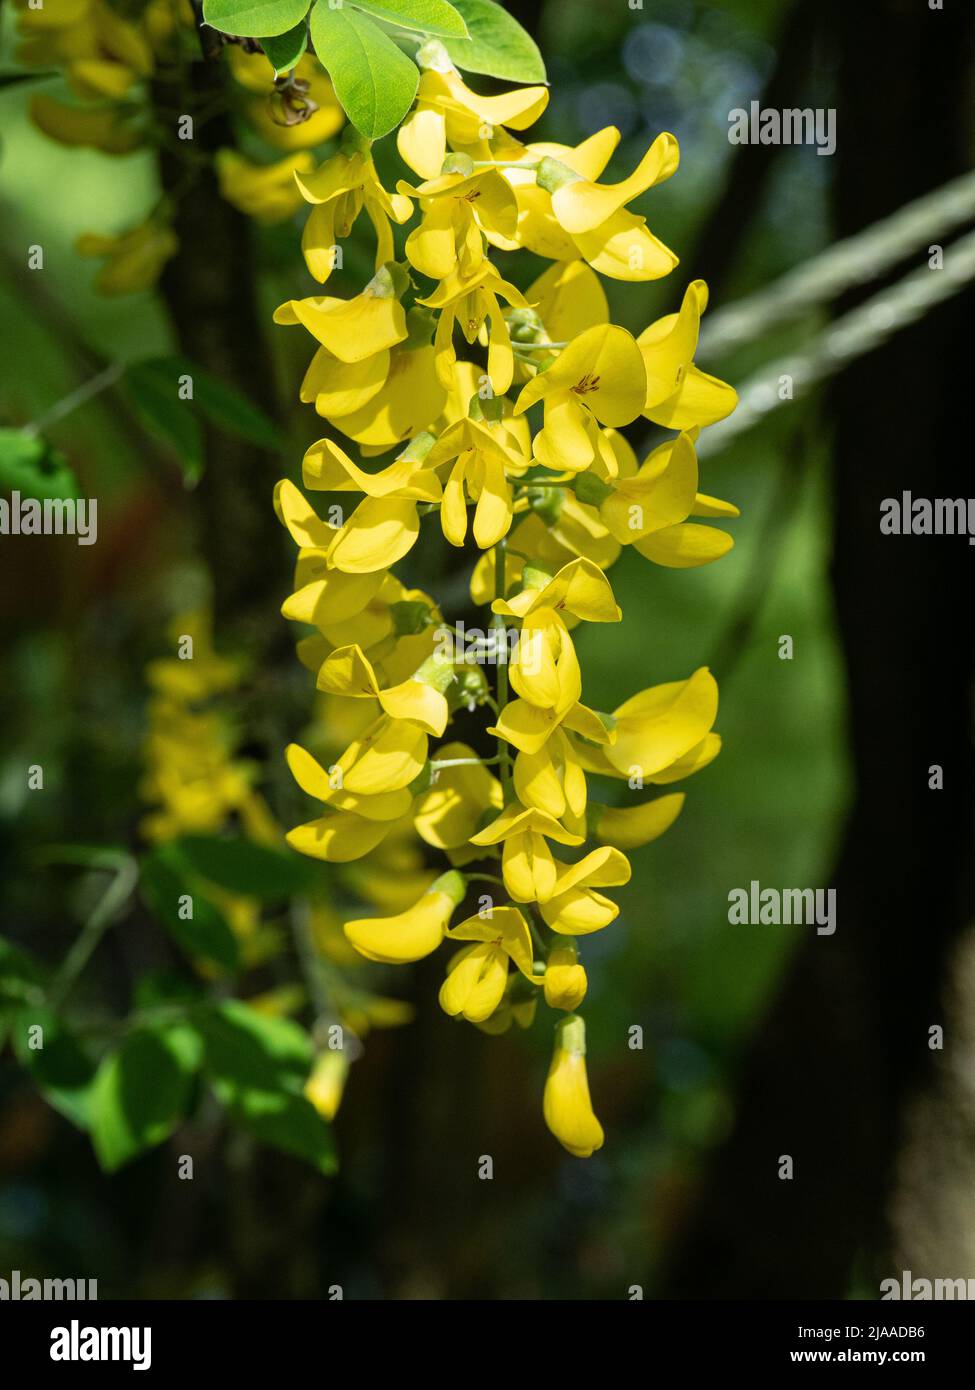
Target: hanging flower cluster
[(195, 782), (499, 415)]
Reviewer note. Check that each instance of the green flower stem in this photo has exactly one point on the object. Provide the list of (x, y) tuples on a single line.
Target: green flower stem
[(108, 908), (439, 763), (504, 164), (497, 621), (77, 398)]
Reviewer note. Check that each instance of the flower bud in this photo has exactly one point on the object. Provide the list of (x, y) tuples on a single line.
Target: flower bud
[(566, 1106), (565, 979)]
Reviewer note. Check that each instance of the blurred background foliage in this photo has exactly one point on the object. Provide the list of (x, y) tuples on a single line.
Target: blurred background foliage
[(406, 1216)]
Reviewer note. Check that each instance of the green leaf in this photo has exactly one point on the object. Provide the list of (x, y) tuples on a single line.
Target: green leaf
[(498, 46), (287, 49), (61, 1068), (142, 1091), (258, 1066), (20, 976), (434, 17), (244, 867), (207, 933), (155, 384), (253, 19), (373, 79), (15, 79), (153, 395), (30, 466)]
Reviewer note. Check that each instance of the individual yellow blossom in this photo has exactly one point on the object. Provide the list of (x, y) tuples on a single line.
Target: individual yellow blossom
[(96, 127), (679, 395), (598, 379), (565, 982), (348, 671), (612, 239), (473, 302), (629, 827), (528, 864), (567, 1107), (661, 734), (450, 811), (266, 192), (480, 458), (345, 185), (353, 329), (386, 398), (575, 908), (648, 506), (477, 976), (448, 113), (326, 1084), (413, 934), (579, 590), (134, 259), (457, 208)]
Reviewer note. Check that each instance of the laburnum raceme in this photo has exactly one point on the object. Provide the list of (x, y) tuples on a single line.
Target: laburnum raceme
[(195, 783), (462, 404)]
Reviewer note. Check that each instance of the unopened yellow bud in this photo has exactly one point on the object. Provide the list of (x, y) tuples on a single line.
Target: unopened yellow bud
[(565, 979)]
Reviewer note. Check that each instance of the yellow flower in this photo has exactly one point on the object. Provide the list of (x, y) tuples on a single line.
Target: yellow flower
[(477, 975), (99, 128), (457, 207), (381, 764), (102, 54), (613, 240), (661, 734), (528, 865), (326, 1084), (383, 400), (473, 303), (598, 379), (380, 531), (448, 113), (575, 908), (579, 590), (481, 457), (679, 395), (567, 1107), (348, 671), (629, 827), (354, 329), (266, 192), (413, 934), (134, 259), (563, 213), (565, 980), (545, 674), (649, 507), (449, 812), (341, 188)]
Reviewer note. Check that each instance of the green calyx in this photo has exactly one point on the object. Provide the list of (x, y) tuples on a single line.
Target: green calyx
[(552, 174), (453, 884), (570, 1035), (588, 488), (391, 281), (458, 164)]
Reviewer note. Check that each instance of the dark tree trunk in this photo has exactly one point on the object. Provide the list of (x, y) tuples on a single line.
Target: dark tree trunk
[(844, 1047), (210, 291)]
